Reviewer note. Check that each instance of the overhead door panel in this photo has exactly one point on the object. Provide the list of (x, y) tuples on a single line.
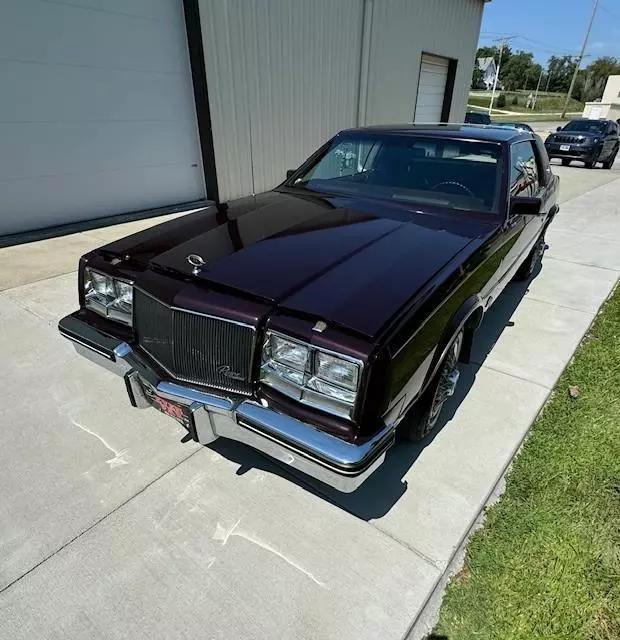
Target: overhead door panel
[(97, 116), (431, 88)]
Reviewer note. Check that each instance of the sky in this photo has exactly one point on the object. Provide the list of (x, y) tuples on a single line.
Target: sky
[(548, 27)]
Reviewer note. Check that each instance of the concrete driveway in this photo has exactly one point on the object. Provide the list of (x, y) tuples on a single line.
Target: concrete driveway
[(110, 527)]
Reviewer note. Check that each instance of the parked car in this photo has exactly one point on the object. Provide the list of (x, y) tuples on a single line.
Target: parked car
[(476, 117), (522, 126), (590, 141), (315, 321)]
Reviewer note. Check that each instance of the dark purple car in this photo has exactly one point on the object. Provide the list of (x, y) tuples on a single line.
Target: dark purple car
[(317, 320)]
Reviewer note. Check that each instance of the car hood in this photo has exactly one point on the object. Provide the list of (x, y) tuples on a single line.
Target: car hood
[(584, 135), (348, 261)]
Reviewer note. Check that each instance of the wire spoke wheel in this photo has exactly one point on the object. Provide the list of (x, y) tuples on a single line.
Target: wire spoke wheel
[(446, 384)]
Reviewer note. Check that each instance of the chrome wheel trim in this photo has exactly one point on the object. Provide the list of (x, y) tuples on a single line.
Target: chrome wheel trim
[(446, 383)]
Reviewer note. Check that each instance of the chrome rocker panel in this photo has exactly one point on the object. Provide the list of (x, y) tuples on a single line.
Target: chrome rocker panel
[(339, 464)]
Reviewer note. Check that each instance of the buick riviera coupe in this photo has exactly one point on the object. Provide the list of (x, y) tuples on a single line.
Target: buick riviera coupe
[(318, 321)]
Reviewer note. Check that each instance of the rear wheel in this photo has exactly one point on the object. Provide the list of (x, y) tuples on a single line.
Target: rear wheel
[(423, 417), (565, 162), (534, 257)]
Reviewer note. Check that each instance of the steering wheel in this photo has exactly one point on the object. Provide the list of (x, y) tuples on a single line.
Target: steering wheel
[(453, 183)]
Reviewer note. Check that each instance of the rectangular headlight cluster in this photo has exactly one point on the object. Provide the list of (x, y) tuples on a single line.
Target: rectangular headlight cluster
[(108, 296), (314, 376)]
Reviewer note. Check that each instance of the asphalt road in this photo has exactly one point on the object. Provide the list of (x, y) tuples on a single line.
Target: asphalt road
[(110, 527)]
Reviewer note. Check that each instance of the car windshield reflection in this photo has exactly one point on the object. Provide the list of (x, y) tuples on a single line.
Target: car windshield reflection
[(449, 173)]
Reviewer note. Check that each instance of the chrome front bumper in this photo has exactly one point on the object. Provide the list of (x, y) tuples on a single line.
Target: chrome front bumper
[(342, 465)]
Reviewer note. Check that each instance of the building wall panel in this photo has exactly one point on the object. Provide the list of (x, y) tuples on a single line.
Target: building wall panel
[(283, 77), (401, 31)]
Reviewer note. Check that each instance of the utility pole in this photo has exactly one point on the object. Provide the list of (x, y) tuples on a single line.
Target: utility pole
[(579, 59), (503, 42), (537, 88)]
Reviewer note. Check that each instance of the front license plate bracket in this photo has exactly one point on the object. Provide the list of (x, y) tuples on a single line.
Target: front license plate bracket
[(182, 413)]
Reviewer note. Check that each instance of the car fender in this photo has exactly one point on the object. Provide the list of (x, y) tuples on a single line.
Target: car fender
[(468, 317)]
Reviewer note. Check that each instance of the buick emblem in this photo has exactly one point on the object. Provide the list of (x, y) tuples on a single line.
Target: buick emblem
[(196, 261)]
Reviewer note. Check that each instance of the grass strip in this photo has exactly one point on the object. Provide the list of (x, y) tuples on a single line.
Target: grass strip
[(546, 563)]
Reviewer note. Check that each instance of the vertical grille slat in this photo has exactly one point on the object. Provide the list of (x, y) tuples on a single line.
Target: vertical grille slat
[(195, 348)]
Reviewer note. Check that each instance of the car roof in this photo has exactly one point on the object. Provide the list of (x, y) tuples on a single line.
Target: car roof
[(589, 120), (483, 132)]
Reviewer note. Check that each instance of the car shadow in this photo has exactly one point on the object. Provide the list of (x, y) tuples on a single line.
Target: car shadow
[(387, 485)]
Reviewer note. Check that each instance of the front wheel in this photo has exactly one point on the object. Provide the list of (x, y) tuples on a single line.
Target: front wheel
[(422, 418), (534, 257), (565, 162), (610, 163)]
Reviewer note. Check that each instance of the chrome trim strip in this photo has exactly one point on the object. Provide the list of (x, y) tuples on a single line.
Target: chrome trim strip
[(332, 450), (64, 334)]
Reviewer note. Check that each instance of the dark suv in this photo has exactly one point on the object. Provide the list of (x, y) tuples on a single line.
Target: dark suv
[(590, 141)]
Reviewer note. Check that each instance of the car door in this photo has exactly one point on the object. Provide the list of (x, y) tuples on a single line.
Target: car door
[(520, 229)]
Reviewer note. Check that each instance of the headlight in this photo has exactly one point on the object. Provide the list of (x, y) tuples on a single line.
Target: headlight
[(108, 296), (595, 141), (311, 375), (336, 370)]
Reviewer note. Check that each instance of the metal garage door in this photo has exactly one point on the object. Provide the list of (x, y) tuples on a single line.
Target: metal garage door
[(97, 114), (431, 88)]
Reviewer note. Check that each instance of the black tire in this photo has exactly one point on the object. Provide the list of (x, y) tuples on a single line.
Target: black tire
[(565, 162), (422, 419), (534, 257), (590, 164), (608, 164)]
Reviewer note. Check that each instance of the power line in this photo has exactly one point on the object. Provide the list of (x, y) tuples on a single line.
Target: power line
[(558, 51), (610, 12)]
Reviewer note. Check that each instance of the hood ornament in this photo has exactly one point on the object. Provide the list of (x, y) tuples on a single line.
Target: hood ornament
[(196, 261)]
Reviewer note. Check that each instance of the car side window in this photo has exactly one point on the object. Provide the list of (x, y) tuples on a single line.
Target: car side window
[(524, 178)]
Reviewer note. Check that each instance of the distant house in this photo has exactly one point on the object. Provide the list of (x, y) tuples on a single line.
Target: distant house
[(489, 69)]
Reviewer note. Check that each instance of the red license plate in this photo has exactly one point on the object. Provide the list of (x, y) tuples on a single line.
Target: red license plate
[(179, 412)]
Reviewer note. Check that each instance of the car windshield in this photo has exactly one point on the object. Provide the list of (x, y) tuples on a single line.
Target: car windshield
[(441, 172), (585, 126)]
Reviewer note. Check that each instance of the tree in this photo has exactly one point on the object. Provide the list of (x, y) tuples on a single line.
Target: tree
[(517, 69), (560, 71), (592, 79), (477, 81)]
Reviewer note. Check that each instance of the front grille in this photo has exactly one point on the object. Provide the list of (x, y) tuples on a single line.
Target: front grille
[(568, 139), (193, 347)]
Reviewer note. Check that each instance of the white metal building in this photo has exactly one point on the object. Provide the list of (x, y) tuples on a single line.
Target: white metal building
[(608, 107), (117, 106)]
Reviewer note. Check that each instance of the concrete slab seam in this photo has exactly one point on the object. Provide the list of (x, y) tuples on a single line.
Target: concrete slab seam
[(99, 521)]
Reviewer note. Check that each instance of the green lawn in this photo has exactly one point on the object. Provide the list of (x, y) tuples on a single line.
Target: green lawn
[(546, 564), (547, 102)]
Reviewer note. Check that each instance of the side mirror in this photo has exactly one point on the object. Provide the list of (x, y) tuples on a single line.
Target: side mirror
[(290, 172), (559, 129), (525, 206)]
